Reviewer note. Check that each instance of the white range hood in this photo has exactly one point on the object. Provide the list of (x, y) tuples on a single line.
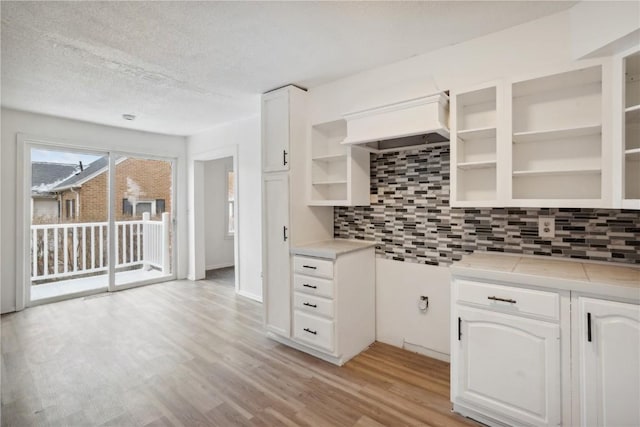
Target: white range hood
[(405, 125)]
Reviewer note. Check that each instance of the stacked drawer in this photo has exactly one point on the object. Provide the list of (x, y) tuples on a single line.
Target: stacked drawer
[(313, 302)]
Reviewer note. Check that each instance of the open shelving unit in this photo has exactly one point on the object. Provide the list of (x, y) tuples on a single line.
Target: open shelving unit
[(557, 137), (339, 174), (474, 146), (631, 132)]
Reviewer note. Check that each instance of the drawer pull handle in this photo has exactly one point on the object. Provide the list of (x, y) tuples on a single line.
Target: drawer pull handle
[(512, 301), (310, 331), (589, 327), (310, 305), (306, 285), (310, 266)]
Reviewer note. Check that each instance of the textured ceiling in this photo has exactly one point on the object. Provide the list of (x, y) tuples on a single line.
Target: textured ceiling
[(183, 67)]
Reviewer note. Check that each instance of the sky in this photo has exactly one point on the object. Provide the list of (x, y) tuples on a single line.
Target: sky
[(69, 157)]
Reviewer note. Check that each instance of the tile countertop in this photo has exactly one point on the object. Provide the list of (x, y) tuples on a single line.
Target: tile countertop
[(606, 279), (331, 249)]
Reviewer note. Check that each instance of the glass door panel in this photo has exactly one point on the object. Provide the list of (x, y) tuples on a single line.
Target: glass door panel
[(143, 220), (69, 225)]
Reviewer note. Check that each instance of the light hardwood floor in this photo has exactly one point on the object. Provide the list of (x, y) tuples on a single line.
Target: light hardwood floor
[(193, 354)]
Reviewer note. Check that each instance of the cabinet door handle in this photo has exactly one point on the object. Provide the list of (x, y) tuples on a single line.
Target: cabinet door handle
[(310, 305), (459, 328), (284, 233), (310, 267), (284, 157), (589, 327), (310, 331), (512, 301), (306, 285)]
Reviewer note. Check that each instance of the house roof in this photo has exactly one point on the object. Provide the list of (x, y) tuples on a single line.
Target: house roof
[(45, 175), (93, 169)]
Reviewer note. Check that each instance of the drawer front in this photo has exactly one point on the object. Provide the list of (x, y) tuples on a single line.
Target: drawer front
[(510, 299), (313, 285), (313, 330), (313, 266), (313, 305)]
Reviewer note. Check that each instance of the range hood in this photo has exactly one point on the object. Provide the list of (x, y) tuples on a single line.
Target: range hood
[(406, 125)]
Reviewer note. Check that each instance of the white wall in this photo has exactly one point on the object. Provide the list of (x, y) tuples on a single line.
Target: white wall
[(524, 50), (218, 245), (74, 133), (243, 136)]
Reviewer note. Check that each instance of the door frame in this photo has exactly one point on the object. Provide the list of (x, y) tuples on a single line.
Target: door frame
[(25, 143), (196, 212)]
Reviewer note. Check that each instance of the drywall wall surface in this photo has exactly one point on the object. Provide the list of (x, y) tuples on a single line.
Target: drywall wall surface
[(73, 133), (244, 137), (399, 320), (596, 24), (520, 50), (218, 242)]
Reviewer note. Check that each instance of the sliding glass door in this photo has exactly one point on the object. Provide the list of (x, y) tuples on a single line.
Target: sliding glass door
[(69, 223), (98, 221), (143, 220)]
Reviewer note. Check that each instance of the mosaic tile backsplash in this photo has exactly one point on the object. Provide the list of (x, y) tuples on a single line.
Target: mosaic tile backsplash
[(412, 220)]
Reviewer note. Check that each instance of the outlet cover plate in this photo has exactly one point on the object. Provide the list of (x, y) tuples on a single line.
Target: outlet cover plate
[(547, 227)]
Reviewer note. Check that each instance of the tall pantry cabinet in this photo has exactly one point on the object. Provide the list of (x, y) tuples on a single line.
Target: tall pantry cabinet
[(287, 220)]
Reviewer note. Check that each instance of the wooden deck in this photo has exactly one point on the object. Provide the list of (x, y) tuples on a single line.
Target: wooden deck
[(193, 354)]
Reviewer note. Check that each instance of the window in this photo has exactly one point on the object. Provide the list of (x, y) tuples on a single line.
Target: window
[(70, 208), (142, 207), (160, 206), (127, 207), (230, 228)]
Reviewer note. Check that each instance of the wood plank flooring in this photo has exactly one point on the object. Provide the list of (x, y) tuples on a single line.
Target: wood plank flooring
[(194, 354)]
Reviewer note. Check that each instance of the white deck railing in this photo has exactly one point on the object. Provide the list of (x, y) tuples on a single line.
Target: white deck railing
[(65, 250)]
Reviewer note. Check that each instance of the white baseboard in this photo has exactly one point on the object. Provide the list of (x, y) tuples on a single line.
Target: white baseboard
[(216, 266), (249, 295), (427, 352)]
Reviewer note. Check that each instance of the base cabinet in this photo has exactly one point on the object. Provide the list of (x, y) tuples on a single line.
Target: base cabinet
[(610, 363), (507, 366), (532, 356)]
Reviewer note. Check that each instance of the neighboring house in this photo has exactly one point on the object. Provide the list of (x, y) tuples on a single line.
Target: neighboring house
[(141, 186), (44, 177)]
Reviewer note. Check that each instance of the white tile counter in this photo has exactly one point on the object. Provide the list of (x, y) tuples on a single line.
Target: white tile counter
[(607, 279), (331, 249)]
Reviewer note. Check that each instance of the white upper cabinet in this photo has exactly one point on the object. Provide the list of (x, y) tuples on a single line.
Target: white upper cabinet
[(631, 132), (609, 335), (474, 146), (546, 141), (557, 150), (275, 131), (338, 173)]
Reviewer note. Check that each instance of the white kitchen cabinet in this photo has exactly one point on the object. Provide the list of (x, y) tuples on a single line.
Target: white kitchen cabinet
[(474, 145), (504, 364), (543, 140), (609, 352), (275, 129), (338, 173), (536, 341), (334, 299), (276, 269), (627, 127), (287, 220)]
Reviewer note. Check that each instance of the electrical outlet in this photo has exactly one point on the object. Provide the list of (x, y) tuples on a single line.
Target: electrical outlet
[(547, 226)]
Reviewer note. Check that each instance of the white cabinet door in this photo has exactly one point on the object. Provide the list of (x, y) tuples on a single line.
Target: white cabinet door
[(276, 272), (508, 365), (609, 334), (275, 131)]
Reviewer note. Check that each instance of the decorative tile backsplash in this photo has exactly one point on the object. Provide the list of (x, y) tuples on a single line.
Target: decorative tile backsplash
[(412, 220)]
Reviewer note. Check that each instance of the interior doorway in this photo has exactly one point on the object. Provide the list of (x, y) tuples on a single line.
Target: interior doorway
[(199, 222), (219, 225)]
